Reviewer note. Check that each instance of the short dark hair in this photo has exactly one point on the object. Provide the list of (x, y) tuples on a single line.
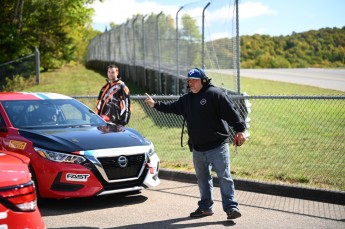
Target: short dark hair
[(113, 66)]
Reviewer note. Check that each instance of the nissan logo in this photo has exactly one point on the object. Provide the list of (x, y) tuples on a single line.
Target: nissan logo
[(122, 161)]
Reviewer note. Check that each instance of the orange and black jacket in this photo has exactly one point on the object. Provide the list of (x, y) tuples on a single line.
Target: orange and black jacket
[(114, 102)]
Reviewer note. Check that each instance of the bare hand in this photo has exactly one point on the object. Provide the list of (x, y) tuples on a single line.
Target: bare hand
[(240, 138), (149, 101)]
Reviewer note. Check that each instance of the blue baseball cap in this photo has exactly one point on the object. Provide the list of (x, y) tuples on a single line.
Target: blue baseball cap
[(195, 73)]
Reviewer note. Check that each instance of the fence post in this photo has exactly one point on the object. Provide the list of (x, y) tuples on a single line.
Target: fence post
[(238, 50), (203, 36), (134, 53), (177, 54), (158, 56), (144, 49), (37, 65)]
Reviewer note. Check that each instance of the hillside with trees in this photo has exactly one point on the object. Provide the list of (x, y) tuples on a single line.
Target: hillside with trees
[(324, 48)]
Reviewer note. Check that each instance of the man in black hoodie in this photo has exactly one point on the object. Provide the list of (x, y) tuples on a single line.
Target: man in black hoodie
[(208, 112)]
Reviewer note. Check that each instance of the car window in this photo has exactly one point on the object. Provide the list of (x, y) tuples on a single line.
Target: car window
[(16, 111), (47, 113), (71, 112)]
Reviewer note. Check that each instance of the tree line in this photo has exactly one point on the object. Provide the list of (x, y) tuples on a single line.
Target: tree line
[(323, 48)]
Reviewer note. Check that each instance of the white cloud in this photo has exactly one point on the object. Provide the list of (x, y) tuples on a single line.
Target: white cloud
[(218, 19), (119, 11), (254, 9), (219, 15)]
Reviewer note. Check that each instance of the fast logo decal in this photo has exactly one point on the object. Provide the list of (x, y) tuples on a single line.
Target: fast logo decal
[(17, 144), (77, 177)]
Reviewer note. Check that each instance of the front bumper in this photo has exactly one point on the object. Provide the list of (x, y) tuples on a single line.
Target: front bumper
[(103, 174)]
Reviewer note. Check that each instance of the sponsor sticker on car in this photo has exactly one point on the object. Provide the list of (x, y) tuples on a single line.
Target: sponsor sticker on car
[(17, 144), (77, 177)]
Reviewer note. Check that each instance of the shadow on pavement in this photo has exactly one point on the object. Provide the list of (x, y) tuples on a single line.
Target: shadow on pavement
[(53, 207)]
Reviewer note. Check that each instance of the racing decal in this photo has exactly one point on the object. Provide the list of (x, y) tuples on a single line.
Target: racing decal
[(77, 177), (17, 144), (52, 96), (32, 96), (18, 96)]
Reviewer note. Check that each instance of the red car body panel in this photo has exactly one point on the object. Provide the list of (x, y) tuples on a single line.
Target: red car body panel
[(14, 173), (50, 169), (18, 96)]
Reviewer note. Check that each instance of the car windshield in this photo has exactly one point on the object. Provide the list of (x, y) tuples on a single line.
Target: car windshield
[(47, 113)]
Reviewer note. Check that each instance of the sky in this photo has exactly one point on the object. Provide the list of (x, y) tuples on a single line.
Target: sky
[(269, 17)]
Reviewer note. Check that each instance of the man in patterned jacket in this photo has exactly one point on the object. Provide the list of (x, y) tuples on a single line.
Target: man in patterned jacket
[(114, 98)]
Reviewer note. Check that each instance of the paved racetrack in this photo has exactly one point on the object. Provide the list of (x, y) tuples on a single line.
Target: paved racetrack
[(324, 78), (169, 205)]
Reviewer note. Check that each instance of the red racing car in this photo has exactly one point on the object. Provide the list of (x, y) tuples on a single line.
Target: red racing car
[(73, 151), (18, 201)]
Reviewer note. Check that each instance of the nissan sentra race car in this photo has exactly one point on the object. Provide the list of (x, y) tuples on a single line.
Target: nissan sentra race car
[(73, 151)]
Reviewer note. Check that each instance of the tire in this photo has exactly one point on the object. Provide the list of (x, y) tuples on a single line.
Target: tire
[(40, 200)]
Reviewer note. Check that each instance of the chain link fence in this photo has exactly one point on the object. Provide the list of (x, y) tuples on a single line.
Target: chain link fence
[(294, 140), (25, 66), (201, 34)]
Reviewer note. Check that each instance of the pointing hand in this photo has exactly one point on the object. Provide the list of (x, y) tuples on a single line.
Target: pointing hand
[(149, 101)]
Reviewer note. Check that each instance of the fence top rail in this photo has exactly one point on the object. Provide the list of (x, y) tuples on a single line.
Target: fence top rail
[(12, 61), (175, 97), (340, 97)]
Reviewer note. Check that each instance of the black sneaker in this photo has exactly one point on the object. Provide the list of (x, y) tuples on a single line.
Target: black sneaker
[(233, 213), (201, 213)]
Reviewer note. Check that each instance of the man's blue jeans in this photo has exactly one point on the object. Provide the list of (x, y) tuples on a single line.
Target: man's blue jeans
[(217, 159)]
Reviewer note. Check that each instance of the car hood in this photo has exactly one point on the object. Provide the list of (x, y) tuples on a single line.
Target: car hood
[(84, 138)]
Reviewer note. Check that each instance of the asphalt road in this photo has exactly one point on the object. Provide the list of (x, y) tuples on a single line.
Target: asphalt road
[(169, 205), (324, 78)]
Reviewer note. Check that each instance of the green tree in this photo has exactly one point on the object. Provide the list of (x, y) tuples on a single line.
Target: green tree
[(57, 28)]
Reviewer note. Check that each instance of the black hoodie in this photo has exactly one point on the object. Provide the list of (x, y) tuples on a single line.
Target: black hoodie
[(208, 114)]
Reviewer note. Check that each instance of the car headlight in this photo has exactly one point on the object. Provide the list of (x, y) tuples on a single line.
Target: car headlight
[(151, 151), (59, 157)]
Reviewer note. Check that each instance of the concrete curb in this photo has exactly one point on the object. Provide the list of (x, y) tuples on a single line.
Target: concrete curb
[(320, 195)]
